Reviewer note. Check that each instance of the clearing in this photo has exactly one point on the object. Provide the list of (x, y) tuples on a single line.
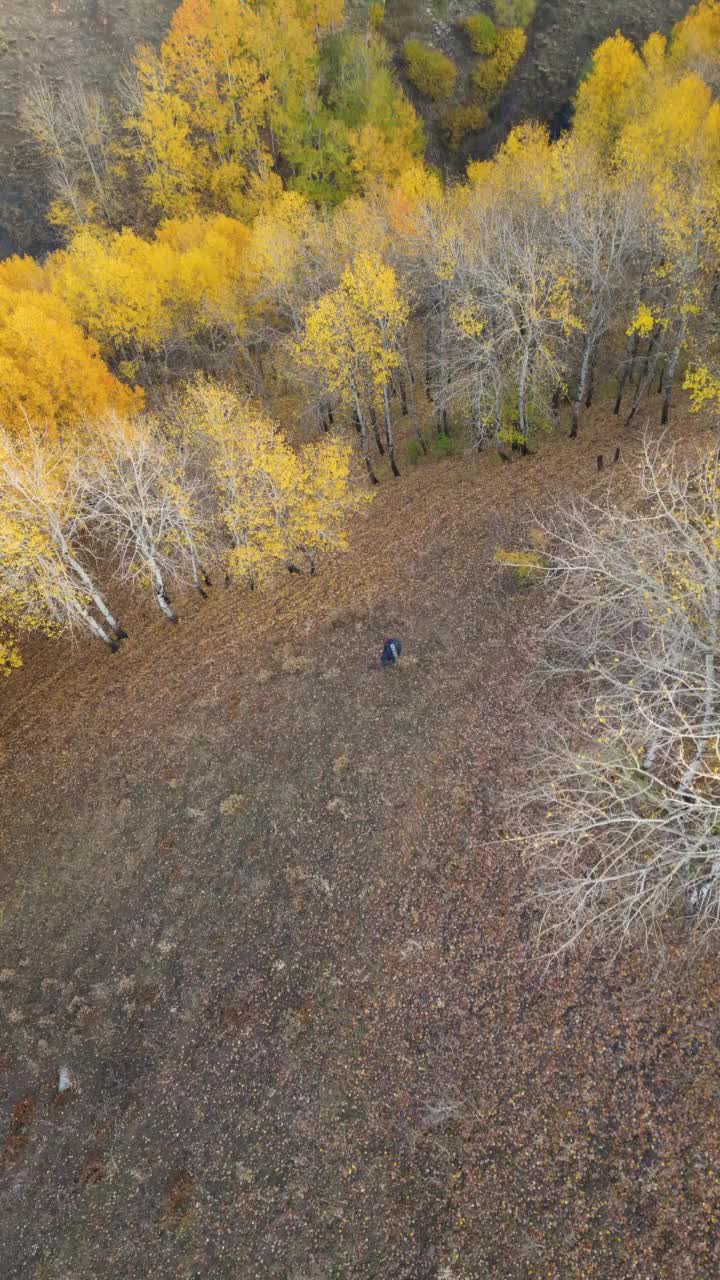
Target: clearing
[(255, 898)]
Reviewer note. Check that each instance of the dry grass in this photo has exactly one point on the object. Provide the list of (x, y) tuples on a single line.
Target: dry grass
[(295, 664), (260, 1014), (232, 804)]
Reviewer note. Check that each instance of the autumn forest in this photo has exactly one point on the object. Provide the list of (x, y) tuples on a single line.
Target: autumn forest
[(262, 281)]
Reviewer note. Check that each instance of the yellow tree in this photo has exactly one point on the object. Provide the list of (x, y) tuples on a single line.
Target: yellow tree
[(271, 502), (51, 374), (212, 98), (286, 266), (253, 473), (10, 656), (326, 495), (351, 339), (673, 154), (610, 95), (45, 581), (695, 42), (142, 299)]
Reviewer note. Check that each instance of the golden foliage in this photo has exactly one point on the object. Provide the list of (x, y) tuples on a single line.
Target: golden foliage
[(273, 502), (51, 374), (351, 334), (132, 293)]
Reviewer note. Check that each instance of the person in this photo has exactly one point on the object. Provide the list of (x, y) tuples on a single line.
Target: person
[(390, 654)]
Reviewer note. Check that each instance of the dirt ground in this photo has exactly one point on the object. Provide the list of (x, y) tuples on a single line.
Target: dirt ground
[(255, 897)]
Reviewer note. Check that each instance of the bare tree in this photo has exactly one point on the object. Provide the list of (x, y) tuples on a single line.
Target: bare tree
[(630, 787), (596, 227), (512, 316), (145, 508), (43, 567), (73, 127)]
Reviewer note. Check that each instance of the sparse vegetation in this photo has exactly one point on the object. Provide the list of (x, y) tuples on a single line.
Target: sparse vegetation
[(514, 13)]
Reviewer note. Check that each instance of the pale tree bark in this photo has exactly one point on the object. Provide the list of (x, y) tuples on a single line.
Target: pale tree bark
[(628, 367), (364, 438), (671, 370)]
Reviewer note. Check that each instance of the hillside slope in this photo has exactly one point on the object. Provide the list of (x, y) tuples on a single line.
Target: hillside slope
[(256, 899)]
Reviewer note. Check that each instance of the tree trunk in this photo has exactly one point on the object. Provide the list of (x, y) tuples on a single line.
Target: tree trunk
[(525, 368), (94, 627), (706, 735), (591, 385), (670, 375), (403, 395), (160, 593), (376, 431), (555, 407), (364, 440), (627, 370), (413, 412), (428, 375), (645, 379), (584, 383), (639, 389), (443, 377), (652, 341), (165, 605), (93, 592), (389, 432)]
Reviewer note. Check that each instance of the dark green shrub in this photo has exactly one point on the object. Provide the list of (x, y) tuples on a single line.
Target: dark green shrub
[(429, 70)]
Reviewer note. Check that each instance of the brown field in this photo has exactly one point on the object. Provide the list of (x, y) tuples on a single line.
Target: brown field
[(255, 897)]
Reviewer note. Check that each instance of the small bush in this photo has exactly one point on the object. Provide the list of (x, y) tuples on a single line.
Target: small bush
[(466, 118), (293, 665), (430, 71), (525, 565), (443, 445), (481, 33), (414, 452), (514, 13), (491, 75), (232, 804)]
